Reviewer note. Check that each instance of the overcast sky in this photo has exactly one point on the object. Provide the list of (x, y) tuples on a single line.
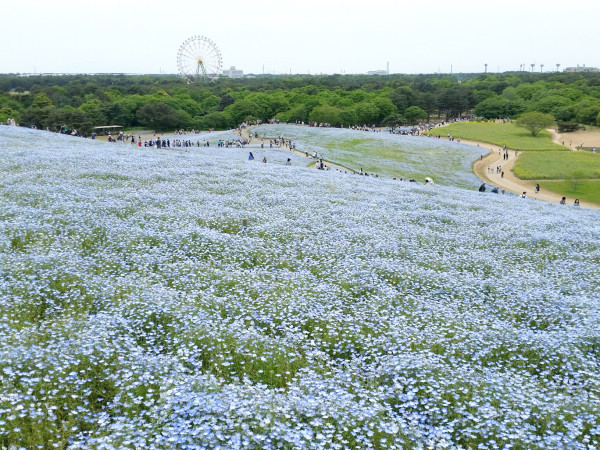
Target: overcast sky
[(304, 36)]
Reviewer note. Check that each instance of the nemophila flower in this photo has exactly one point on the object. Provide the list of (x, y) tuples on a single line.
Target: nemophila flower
[(194, 299)]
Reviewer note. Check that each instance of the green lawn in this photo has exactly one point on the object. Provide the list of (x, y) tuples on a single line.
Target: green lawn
[(587, 190), (499, 134), (557, 165)]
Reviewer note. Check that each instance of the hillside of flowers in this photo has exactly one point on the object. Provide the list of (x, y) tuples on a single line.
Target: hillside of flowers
[(196, 299), (390, 155)]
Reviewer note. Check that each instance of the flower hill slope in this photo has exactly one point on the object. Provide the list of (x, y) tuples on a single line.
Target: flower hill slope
[(390, 155), (136, 309)]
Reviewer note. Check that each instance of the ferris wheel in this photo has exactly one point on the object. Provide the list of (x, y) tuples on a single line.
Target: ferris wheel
[(198, 59)]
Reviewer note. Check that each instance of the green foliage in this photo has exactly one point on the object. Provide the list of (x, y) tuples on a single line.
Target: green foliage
[(394, 120), (217, 120), (403, 97), (501, 134), (563, 114), (534, 122), (550, 104), (557, 165), (355, 99), (588, 113), (492, 108), (41, 100), (415, 114), (586, 189), (326, 114), (455, 101), (575, 179), (158, 116), (9, 113)]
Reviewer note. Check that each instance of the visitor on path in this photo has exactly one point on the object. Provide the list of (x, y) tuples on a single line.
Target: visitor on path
[(563, 201), (576, 203), (524, 194), (288, 162), (537, 188), (251, 156), (482, 188), (265, 159)]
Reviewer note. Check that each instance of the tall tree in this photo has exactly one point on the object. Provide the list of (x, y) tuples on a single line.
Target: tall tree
[(534, 122)]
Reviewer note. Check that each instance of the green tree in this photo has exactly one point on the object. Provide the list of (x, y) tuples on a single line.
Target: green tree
[(217, 120), (243, 109), (564, 114), (158, 116), (492, 108), (588, 114), (575, 180), (9, 113), (326, 114), (551, 103), (348, 117), (454, 101), (39, 112), (402, 98), (41, 100), (414, 114), (534, 121), (385, 107), (367, 113), (394, 120), (598, 119), (427, 101), (225, 101)]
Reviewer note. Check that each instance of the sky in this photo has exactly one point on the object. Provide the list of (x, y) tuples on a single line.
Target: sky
[(306, 36)]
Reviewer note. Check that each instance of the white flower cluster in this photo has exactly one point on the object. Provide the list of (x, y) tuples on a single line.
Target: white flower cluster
[(172, 299)]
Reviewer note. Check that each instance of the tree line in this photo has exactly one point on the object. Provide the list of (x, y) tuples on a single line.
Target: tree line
[(167, 102)]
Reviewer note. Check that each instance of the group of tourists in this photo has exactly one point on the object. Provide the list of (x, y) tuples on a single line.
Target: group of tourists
[(494, 189), (238, 143), (498, 170), (167, 143)]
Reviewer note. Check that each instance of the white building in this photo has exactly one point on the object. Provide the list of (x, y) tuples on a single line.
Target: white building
[(581, 69), (377, 72), (233, 73)]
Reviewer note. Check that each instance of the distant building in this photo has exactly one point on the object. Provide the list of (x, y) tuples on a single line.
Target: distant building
[(233, 73), (582, 69), (377, 72)]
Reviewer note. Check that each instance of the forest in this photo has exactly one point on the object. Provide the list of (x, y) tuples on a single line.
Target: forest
[(167, 102)]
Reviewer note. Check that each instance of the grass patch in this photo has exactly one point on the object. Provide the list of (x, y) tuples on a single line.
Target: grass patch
[(557, 165), (587, 190), (500, 134)]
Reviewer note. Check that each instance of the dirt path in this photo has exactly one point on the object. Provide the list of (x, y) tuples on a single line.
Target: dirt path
[(511, 182), (588, 138), (494, 158)]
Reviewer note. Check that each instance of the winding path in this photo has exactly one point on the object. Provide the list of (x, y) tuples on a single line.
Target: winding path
[(494, 158), (510, 181)]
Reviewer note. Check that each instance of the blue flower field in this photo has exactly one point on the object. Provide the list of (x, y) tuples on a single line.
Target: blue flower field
[(196, 299)]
